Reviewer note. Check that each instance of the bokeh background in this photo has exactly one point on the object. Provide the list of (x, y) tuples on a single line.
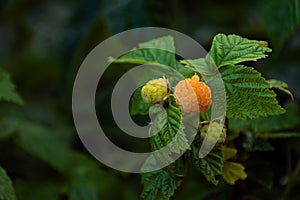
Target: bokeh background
[(42, 44)]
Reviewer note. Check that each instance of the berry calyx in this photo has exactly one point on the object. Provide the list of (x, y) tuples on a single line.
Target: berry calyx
[(155, 91), (193, 95)]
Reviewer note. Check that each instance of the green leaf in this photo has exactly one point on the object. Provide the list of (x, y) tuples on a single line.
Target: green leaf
[(211, 165), (282, 23), (159, 185), (248, 94), (204, 66), (280, 85), (39, 142), (83, 183), (233, 49), (171, 132), (8, 126), (7, 89), (159, 51), (272, 124), (7, 191), (137, 105), (184, 71), (83, 179)]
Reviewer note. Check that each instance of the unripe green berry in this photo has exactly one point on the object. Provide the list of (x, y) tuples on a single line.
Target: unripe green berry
[(155, 91), (211, 131)]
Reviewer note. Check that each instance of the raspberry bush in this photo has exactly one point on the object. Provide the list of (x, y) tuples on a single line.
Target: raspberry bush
[(249, 97), (43, 44)]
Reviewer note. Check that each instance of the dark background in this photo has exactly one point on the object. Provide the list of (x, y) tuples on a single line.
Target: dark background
[(42, 44)]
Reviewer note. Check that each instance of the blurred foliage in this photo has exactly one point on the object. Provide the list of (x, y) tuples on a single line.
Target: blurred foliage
[(44, 42)]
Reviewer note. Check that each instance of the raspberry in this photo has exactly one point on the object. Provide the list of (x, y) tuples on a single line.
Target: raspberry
[(186, 91), (155, 91), (212, 131)]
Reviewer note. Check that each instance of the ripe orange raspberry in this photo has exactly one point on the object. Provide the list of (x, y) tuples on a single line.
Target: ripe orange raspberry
[(193, 95)]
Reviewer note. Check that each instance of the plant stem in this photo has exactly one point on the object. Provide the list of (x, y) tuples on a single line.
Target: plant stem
[(291, 181)]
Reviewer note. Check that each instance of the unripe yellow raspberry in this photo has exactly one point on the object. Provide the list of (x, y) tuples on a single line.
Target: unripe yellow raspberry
[(212, 132), (193, 95), (155, 91)]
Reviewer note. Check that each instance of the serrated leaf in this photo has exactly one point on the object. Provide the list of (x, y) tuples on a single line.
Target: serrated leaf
[(273, 123), (233, 171), (248, 94), (184, 71), (233, 49), (280, 25), (286, 121), (7, 191), (7, 89), (165, 42), (159, 51), (205, 66), (171, 133), (280, 85), (211, 165), (199, 65), (158, 185)]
